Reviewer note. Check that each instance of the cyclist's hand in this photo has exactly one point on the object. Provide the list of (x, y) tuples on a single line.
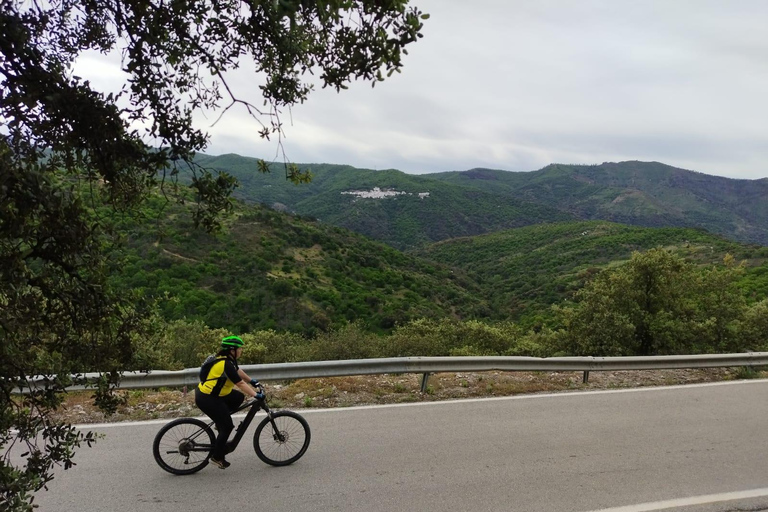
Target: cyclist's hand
[(259, 389)]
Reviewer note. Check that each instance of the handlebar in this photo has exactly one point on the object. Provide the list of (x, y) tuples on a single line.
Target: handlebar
[(260, 395)]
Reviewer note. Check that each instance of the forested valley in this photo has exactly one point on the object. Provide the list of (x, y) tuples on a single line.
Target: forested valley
[(298, 289)]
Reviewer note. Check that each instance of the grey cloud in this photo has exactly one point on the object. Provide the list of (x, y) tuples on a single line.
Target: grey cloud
[(519, 85)]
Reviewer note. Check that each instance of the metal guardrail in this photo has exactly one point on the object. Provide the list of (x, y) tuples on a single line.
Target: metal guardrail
[(428, 365)]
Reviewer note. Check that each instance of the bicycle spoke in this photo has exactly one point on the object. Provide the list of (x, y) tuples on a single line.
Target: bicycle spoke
[(181, 446), (284, 445)]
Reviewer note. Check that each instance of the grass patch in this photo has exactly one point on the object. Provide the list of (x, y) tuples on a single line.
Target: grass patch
[(748, 372)]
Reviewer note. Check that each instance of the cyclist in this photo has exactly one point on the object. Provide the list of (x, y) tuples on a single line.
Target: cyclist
[(216, 396)]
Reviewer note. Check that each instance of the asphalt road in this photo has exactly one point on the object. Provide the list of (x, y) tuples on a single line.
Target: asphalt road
[(692, 448)]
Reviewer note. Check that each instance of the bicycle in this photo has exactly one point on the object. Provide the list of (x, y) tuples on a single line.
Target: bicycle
[(184, 445)]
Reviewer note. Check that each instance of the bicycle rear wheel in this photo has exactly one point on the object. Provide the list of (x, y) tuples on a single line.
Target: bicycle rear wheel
[(284, 444), (182, 447)]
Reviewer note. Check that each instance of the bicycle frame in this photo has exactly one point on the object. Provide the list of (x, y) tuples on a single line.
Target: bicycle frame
[(255, 405), (184, 445)]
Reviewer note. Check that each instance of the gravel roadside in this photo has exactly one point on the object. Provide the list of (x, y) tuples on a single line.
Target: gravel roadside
[(139, 405)]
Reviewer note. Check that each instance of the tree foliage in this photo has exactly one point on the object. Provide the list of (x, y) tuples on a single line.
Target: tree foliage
[(270, 270), (659, 303), (66, 148), (526, 270)]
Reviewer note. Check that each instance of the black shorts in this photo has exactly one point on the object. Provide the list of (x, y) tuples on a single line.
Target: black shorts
[(219, 408)]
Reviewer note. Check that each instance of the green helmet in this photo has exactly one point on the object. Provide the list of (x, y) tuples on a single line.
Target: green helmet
[(231, 342)]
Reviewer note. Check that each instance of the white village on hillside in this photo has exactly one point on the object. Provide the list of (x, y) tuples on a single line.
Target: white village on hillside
[(377, 193)]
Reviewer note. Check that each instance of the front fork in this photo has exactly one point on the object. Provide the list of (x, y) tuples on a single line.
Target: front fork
[(276, 434)]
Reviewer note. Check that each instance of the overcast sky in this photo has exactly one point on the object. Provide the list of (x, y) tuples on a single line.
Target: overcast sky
[(517, 85)]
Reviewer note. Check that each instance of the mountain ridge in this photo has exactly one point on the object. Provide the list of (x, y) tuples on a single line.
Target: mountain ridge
[(654, 194), (650, 194)]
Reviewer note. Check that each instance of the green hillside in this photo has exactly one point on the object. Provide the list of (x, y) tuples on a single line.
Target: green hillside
[(413, 210), (481, 201), (273, 189), (525, 270), (507, 274), (410, 221), (638, 193), (273, 270)]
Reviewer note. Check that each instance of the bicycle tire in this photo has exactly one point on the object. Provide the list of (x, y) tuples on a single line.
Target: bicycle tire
[(287, 447), (171, 443)]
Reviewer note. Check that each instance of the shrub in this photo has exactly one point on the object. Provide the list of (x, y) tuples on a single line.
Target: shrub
[(280, 347), (444, 337), (754, 327), (348, 342), (469, 350), (180, 344)]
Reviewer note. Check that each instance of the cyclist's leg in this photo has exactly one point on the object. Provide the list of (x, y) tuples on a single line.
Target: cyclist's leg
[(216, 408), (234, 400)]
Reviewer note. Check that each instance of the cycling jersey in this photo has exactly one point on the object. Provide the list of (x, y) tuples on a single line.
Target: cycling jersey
[(221, 377)]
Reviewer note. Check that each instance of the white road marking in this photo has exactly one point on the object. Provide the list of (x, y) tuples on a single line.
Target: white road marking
[(564, 394), (689, 502)]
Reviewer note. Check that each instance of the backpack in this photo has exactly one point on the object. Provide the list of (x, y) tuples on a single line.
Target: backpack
[(205, 368)]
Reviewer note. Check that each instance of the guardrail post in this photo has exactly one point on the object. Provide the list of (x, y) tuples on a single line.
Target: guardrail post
[(585, 380), (424, 380)]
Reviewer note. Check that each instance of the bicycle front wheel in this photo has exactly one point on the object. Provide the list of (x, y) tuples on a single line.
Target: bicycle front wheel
[(183, 446), (283, 439)]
